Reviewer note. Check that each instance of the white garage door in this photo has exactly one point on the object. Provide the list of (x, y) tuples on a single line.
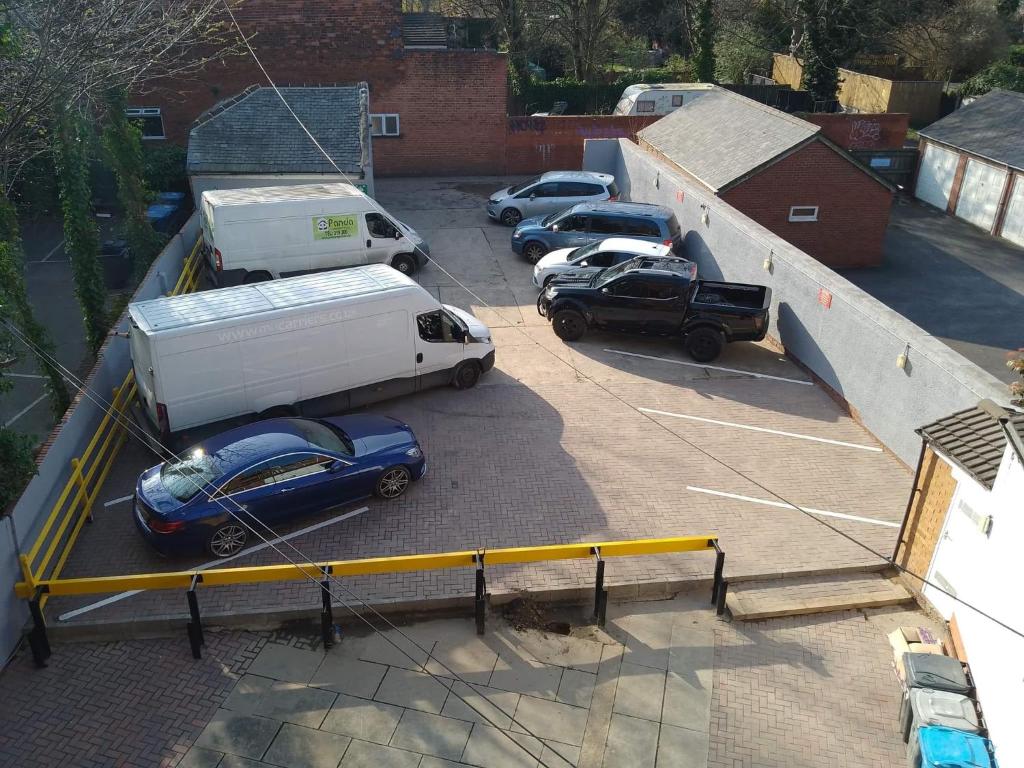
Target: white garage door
[(935, 177), (979, 194), (1013, 224)]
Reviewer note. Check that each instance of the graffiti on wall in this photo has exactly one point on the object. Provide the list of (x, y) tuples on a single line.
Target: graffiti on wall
[(527, 123), (865, 134)]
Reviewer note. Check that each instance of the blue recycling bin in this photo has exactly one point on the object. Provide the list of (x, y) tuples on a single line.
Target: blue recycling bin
[(941, 747)]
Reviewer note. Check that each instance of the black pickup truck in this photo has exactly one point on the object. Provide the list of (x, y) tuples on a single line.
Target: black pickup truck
[(659, 296)]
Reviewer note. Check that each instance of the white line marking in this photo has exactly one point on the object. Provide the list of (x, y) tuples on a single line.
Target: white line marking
[(762, 429), (25, 410), (24, 375), (53, 250), (711, 367), (251, 550), (783, 505), (112, 502)]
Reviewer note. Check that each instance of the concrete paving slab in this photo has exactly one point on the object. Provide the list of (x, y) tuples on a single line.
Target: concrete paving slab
[(687, 705), (344, 673), (362, 754), (237, 734), (640, 691), (632, 743), (550, 720), (234, 761), (414, 690), (557, 755), (430, 761), (599, 721), (647, 637), (576, 687), (525, 676), (467, 658), (298, 747), (562, 650), (479, 704), (295, 703), (361, 719), (198, 757), (432, 734), (393, 649), (490, 748), (682, 748), (292, 665), (247, 694)]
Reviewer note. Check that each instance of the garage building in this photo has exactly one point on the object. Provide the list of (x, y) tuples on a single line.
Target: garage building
[(972, 164)]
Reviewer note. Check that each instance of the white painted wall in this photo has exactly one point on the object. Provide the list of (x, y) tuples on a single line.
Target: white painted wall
[(1013, 222), (980, 193), (935, 175), (984, 570)]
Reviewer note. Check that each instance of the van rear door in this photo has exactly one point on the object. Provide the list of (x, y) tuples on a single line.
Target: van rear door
[(142, 362)]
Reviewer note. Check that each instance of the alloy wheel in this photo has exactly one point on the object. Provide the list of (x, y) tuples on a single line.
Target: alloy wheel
[(227, 540), (393, 483)]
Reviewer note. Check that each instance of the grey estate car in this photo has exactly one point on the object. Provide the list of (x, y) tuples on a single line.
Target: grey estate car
[(550, 193), (590, 222)]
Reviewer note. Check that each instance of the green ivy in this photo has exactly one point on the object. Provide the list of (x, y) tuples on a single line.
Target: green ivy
[(595, 98), (81, 237), (163, 167), (17, 465)]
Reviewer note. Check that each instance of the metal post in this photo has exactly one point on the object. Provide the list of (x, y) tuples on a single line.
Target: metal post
[(480, 604), (37, 640), (326, 612), (719, 567), (720, 605), (195, 626), (79, 478), (600, 593)]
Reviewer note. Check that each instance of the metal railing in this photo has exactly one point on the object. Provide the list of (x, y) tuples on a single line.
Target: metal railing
[(35, 590), (46, 559)]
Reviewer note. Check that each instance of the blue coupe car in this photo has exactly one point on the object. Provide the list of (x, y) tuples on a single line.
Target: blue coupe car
[(272, 470)]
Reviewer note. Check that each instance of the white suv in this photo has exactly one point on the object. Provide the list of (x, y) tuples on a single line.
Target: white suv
[(604, 254), (551, 192)]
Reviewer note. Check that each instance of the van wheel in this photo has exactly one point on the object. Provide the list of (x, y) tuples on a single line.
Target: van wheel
[(534, 251), (278, 412), (257, 277), (466, 375), (704, 344), (569, 325), (404, 263), (393, 482), (227, 540), (511, 216)]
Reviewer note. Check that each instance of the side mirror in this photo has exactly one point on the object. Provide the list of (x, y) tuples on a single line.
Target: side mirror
[(584, 264), (398, 235), (554, 227), (335, 466), (605, 291)]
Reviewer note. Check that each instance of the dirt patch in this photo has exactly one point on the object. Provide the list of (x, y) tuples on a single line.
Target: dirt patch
[(524, 613)]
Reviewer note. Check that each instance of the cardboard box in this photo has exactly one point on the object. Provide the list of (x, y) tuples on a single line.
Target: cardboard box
[(913, 640)]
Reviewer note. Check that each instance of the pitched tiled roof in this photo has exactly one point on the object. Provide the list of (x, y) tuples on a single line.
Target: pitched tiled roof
[(254, 132), (974, 440), (989, 127)]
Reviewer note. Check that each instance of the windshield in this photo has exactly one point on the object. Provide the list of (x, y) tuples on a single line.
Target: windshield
[(184, 479), (322, 434), (581, 253), (611, 273), (520, 187)]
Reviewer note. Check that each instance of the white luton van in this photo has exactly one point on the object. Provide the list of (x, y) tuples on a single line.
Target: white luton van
[(263, 233), (311, 345)]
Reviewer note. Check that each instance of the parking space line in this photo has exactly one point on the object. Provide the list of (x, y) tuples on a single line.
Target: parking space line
[(711, 367), (245, 552), (53, 250), (784, 505), (25, 410), (762, 429), (112, 502), (24, 376)]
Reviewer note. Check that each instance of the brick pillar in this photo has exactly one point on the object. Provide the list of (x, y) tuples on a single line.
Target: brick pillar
[(954, 190), (1004, 199)]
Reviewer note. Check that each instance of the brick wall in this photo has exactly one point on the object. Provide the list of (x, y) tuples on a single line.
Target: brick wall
[(853, 208), (452, 104), (862, 131), (537, 144), (927, 515)]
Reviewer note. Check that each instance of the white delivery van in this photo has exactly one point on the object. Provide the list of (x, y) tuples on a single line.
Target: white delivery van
[(659, 98), (262, 233), (311, 345)]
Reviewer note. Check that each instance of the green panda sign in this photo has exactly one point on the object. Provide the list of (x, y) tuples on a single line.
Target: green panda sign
[(332, 227)]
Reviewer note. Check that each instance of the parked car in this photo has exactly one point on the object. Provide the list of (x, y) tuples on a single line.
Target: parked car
[(263, 233), (660, 296), (590, 222), (601, 253), (315, 345), (550, 193), (273, 471)]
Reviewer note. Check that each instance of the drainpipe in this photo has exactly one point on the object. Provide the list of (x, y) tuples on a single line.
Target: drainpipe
[(910, 502), (365, 156)]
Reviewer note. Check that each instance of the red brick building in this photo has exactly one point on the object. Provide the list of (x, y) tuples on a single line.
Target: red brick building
[(781, 172), (439, 103)]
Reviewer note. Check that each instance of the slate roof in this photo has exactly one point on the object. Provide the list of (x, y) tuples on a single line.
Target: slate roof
[(254, 133), (723, 137), (974, 440), (990, 127)]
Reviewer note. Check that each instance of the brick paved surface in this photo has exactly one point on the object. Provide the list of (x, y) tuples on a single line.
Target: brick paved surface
[(538, 454)]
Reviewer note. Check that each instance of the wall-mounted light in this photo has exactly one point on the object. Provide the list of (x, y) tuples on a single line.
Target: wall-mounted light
[(768, 261), (901, 361)]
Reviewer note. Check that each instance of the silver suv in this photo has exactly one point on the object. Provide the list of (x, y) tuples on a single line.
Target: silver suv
[(551, 192)]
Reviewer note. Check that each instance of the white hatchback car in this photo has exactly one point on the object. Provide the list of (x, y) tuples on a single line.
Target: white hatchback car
[(605, 253)]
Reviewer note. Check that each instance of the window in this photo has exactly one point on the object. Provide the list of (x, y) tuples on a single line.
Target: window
[(384, 125), (631, 288), (677, 100), (301, 466), (645, 106), (881, 162), (602, 259), (803, 213), (641, 227), (438, 327), (548, 189), (324, 435), (575, 223), (255, 477), (663, 291), (184, 479), (579, 189), (606, 225), (149, 120), (380, 226)]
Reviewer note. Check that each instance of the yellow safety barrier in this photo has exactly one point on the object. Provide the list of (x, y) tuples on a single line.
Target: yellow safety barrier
[(49, 554)]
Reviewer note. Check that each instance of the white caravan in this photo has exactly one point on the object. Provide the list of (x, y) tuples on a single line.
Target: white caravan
[(311, 345), (262, 233), (658, 98)]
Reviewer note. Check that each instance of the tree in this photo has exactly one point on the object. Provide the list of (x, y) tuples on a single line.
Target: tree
[(584, 27), (1006, 73), (1016, 364), (833, 31), (512, 21), (704, 50), (17, 465), (741, 49)]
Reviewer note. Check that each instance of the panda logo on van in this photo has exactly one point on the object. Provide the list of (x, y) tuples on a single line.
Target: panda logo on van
[(331, 227)]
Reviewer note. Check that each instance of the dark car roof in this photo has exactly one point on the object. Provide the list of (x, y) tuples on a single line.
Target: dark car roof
[(240, 447), (660, 265), (624, 209)]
